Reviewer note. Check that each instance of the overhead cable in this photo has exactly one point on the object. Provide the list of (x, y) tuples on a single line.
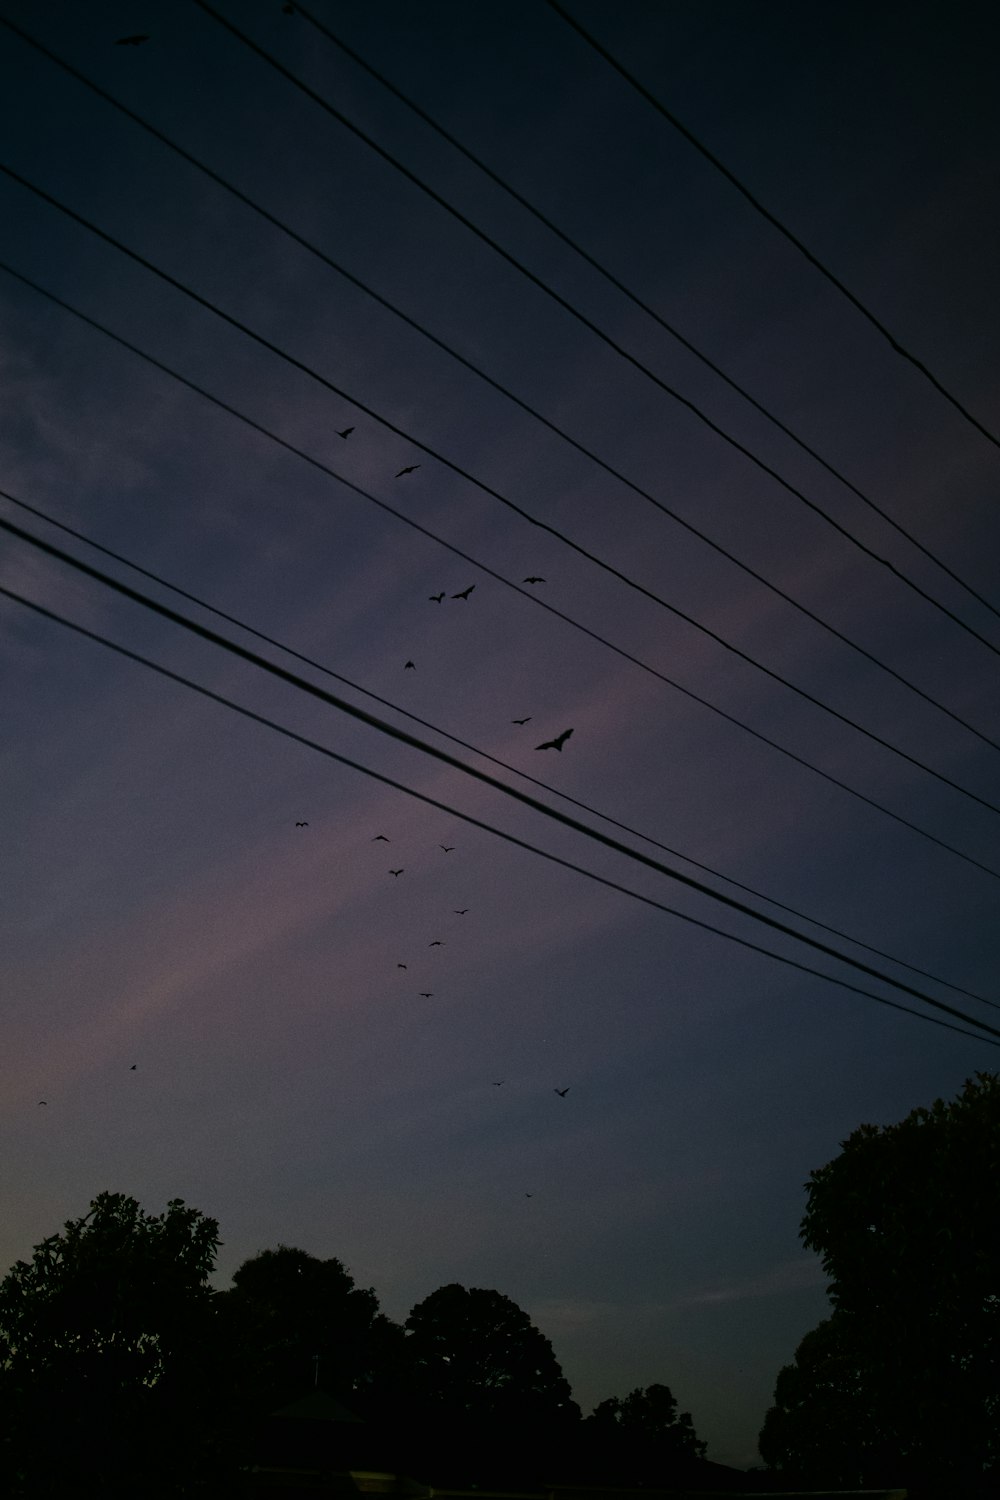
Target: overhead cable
[(455, 812), (586, 322), (626, 291), (519, 510), (620, 651), (508, 393), (774, 221), (318, 666), (403, 736)]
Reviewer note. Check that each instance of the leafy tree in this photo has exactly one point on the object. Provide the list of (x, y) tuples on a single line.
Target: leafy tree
[(649, 1416), (822, 1426), (488, 1402), (907, 1221), (475, 1353), (109, 1369), (298, 1320)]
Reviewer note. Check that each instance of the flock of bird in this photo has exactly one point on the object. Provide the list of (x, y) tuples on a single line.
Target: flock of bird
[(137, 40), (460, 911)]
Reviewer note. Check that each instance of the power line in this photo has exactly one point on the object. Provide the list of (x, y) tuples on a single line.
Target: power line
[(586, 322), (475, 749), (775, 222), (551, 812), (628, 656), (599, 562), (509, 394), (626, 291)]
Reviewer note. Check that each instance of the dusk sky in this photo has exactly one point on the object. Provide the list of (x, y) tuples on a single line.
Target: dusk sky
[(162, 908)]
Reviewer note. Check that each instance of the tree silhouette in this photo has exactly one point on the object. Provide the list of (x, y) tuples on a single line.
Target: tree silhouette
[(907, 1221), (111, 1363), (649, 1415), (823, 1427), (301, 1321), (483, 1374)]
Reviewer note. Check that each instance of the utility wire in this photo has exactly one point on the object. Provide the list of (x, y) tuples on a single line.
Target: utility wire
[(628, 656), (619, 285), (403, 736), (582, 318), (509, 394), (465, 745), (454, 812), (775, 222), (495, 384), (606, 567)]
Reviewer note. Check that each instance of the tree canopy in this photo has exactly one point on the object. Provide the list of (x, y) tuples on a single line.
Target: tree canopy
[(486, 1393), (907, 1222), (121, 1368), (475, 1353), (650, 1415), (107, 1334), (300, 1320)]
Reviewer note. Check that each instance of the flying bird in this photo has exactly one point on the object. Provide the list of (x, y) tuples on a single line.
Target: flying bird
[(132, 1068), (346, 432), (462, 912), (44, 1101), (465, 592), (561, 1092), (397, 872), (400, 966), (437, 943), (498, 1083), (448, 848), (557, 743), (522, 721), (529, 1195), (381, 837), (410, 666), (534, 579), (410, 469), (302, 825), (427, 994), (436, 598), (132, 41)]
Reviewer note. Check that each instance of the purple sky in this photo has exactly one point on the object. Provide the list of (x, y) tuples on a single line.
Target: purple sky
[(160, 906)]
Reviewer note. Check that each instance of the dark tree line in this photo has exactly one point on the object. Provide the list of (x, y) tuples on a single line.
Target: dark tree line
[(901, 1383), (122, 1370)]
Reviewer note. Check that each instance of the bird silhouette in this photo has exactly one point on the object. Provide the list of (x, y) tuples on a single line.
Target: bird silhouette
[(462, 912), (44, 1101), (561, 1092), (302, 825), (557, 743), (465, 592), (346, 432), (132, 41), (380, 837), (427, 994), (436, 598), (397, 872), (410, 666), (437, 943), (498, 1083), (448, 848), (132, 1068), (410, 469), (522, 721), (529, 1195), (400, 966), (534, 579)]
